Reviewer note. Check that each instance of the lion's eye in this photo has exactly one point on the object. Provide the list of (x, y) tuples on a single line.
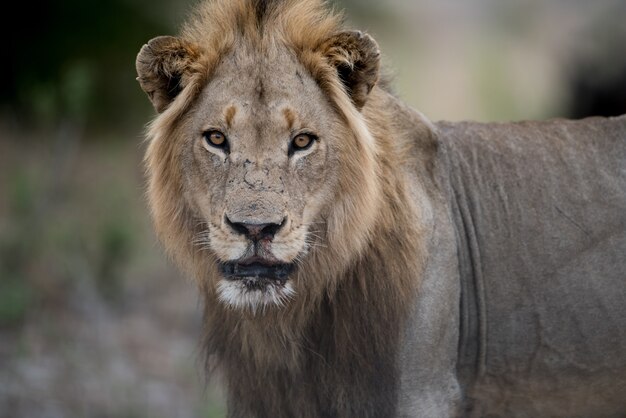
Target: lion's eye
[(216, 139), (301, 142)]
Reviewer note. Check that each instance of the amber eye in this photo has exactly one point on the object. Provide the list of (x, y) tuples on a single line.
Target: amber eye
[(216, 139), (301, 142)]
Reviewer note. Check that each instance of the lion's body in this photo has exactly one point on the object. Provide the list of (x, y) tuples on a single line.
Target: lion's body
[(539, 210), (356, 260)]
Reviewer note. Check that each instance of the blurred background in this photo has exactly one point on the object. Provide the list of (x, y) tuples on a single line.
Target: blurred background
[(94, 322)]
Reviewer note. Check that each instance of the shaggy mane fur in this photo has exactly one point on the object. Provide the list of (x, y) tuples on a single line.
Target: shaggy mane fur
[(303, 25), (331, 352)]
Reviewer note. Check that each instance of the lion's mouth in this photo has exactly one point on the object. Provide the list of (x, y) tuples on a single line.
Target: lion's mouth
[(255, 284), (257, 274)]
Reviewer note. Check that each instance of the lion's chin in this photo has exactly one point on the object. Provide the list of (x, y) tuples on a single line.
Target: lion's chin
[(255, 287), (254, 293)]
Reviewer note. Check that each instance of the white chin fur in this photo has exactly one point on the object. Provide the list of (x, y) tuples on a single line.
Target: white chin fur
[(235, 294)]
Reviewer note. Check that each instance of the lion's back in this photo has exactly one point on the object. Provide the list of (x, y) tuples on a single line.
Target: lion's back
[(540, 212)]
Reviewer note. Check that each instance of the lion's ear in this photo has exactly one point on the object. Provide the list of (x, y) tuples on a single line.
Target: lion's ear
[(163, 66), (357, 58)]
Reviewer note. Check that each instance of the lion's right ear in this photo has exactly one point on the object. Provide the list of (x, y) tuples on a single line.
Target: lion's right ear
[(163, 66)]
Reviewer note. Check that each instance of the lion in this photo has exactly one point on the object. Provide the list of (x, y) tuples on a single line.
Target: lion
[(358, 260)]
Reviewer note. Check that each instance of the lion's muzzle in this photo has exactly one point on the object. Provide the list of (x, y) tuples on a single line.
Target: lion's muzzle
[(259, 263), (256, 274)]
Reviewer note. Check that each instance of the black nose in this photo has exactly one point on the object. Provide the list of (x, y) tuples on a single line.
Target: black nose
[(254, 231)]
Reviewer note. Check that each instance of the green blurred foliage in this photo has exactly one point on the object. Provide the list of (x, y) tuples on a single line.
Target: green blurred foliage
[(115, 250), (214, 410), (60, 229), (73, 60), (17, 245)]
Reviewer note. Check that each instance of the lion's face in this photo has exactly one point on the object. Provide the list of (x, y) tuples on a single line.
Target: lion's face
[(260, 166), (262, 173)]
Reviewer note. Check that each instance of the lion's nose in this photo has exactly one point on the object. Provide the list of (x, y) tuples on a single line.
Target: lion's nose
[(256, 231)]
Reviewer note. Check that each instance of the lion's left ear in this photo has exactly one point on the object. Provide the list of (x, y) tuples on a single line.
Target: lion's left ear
[(357, 58)]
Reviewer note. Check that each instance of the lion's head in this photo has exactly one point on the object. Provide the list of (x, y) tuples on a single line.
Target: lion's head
[(260, 164)]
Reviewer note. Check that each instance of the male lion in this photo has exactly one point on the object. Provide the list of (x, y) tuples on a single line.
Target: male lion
[(355, 259)]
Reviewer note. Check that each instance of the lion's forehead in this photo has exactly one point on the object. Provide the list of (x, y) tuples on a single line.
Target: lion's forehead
[(260, 99)]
